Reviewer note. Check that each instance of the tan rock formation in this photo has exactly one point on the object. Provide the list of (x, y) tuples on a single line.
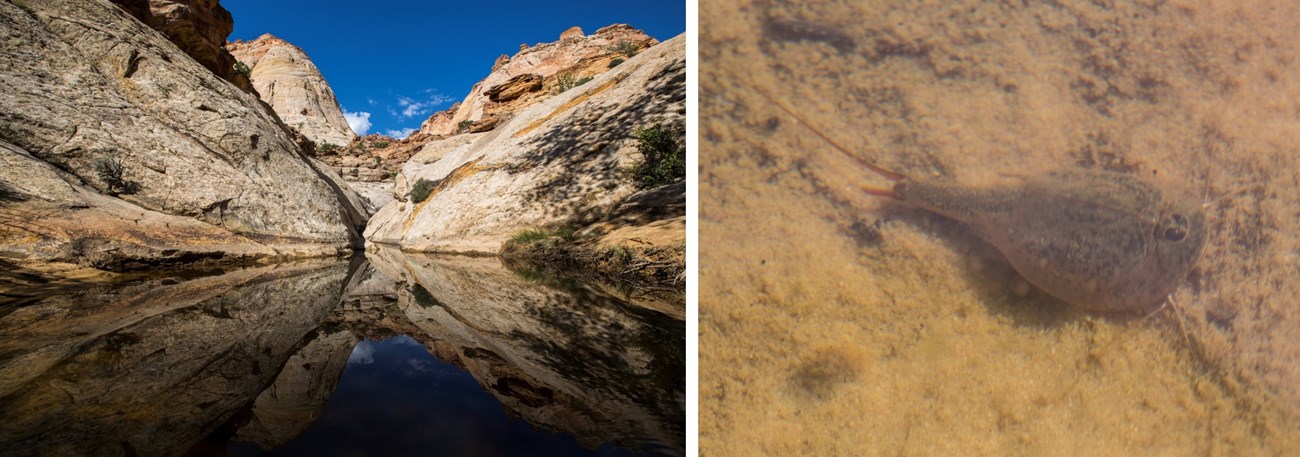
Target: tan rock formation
[(86, 88), (288, 81), (441, 122), (514, 88), (575, 54), (560, 161), (198, 27), (572, 33)]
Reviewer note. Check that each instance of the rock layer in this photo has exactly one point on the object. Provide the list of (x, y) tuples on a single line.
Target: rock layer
[(558, 162), (89, 89), (574, 54), (198, 27), (288, 81)]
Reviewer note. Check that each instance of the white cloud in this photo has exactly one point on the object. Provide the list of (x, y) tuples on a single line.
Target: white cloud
[(412, 107), (359, 121), (399, 133), (362, 354)]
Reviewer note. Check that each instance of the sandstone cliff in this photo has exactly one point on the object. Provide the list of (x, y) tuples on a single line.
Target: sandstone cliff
[(288, 81), (533, 74), (120, 151), (198, 27), (561, 161)]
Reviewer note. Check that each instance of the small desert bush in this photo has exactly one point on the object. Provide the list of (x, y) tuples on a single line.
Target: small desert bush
[(663, 153), (420, 190), (111, 172), (243, 69), (463, 126), (327, 148), (626, 48), (568, 81)]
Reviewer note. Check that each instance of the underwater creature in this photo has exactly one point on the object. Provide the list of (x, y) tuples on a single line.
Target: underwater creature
[(1101, 240)]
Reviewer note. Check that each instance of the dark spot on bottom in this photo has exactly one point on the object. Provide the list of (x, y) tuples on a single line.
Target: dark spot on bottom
[(1221, 317), (820, 374), (866, 234), (798, 30), (773, 123)]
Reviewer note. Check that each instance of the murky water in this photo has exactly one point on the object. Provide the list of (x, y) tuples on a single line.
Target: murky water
[(833, 322), (391, 355)]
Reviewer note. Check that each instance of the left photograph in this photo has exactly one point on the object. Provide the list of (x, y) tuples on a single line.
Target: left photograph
[(245, 228)]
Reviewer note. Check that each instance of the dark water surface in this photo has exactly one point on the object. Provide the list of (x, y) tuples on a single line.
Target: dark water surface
[(390, 355)]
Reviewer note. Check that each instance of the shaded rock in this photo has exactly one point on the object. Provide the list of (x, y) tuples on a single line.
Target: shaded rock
[(198, 27), (558, 162), (288, 81)]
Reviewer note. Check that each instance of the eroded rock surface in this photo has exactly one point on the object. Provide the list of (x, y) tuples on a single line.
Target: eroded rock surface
[(558, 162), (288, 81), (198, 27), (202, 167), (532, 74)]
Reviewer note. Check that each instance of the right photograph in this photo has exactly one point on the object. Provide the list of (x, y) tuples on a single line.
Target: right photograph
[(999, 228)]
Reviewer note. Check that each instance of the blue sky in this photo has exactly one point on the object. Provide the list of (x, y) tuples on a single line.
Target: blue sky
[(395, 62)]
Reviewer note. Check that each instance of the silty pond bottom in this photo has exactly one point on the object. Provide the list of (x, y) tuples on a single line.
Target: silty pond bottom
[(393, 354)]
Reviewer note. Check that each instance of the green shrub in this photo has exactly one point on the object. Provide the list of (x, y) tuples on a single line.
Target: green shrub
[(564, 82), (327, 148), (663, 153), (529, 236), (378, 160), (243, 69), (421, 190), (111, 172), (565, 233), (355, 172), (626, 48), (615, 63), (463, 126)]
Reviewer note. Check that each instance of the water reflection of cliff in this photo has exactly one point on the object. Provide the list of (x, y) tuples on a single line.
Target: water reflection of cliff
[(173, 366), (571, 360)]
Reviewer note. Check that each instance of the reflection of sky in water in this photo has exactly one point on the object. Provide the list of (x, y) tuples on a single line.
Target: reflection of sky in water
[(395, 399)]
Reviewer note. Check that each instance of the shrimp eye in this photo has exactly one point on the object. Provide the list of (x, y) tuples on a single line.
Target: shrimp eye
[(1175, 234)]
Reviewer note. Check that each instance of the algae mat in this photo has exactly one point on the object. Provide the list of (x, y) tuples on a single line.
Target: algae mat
[(834, 322)]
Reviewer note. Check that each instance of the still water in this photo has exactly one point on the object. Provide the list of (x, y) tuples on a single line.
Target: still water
[(392, 354)]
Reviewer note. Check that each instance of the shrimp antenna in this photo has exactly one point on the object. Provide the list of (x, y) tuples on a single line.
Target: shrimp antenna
[(890, 175)]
